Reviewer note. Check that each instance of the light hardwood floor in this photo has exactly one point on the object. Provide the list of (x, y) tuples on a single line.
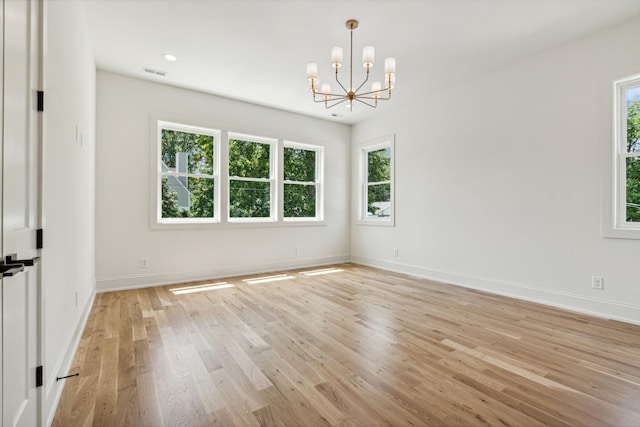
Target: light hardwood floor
[(346, 345)]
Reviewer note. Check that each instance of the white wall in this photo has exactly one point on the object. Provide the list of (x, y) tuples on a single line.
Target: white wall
[(68, 258), (123, 233), (498, 181)]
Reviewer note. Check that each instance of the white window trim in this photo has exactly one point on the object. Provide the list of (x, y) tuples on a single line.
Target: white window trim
[(318, 183), (221, 168), (273, 205), (614, 213), (361, 151), (156, 220)]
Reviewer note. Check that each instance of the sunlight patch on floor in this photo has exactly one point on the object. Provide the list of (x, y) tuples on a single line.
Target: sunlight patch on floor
[(267, 279), (321, 271), (201, 288)]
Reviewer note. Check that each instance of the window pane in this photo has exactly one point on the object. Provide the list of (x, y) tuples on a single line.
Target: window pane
[(187, 197), (187, 152), (379, 165), (248, 159), (201, 190), (248, 199), (379, 200), (633, 189), (299, 201), (299, 165), (633, 119)]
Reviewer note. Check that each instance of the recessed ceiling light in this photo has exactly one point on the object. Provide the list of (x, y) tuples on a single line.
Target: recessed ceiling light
[(170, 57)]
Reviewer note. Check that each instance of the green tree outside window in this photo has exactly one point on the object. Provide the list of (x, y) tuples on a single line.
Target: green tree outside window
[(633, 163), (190, 194), (379, 182), (249, 179), (300, 183)]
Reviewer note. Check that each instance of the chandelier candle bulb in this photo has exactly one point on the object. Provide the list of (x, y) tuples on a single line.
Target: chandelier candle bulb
[(312, 71), (390, 66), (336, 56), (368, 54)]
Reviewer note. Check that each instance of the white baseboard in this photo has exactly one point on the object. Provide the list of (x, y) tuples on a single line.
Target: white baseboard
[(614, 310), (53, 388), (109, 284)]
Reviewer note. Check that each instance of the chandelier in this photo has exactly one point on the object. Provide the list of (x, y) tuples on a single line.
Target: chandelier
[(350, 94)]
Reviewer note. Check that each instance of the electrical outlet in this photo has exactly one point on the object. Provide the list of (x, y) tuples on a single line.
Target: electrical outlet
[(597, 282), (144, 263), (395, 252)]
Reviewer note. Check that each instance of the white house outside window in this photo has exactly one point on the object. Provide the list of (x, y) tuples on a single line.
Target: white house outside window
[(188, 173)]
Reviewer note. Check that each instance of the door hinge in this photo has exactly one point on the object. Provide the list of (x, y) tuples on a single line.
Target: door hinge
[(39, 238), (39, 381), (40, 100)]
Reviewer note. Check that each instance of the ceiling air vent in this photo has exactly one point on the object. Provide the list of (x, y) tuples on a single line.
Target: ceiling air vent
[(154, 72)]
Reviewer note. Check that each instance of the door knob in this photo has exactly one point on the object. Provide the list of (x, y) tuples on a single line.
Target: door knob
[(10, 269), (13, 259)]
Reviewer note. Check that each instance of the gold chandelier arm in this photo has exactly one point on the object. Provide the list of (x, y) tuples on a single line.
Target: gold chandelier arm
[(366, 103), (366, 95), (365, 80), (341, 85), (334, 104), (330, 98)]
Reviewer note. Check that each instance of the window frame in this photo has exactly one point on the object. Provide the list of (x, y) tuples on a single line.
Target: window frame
[(318, 182), (158, 173), (273, 206), (621, 155), (363, 150), (221, 178), (613, 177)]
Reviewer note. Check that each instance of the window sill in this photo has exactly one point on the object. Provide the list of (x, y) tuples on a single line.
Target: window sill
[(234, 225), (376, 222), (621, 233)]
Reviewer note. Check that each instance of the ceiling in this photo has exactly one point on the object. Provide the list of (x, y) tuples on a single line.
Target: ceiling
[(257, 50)]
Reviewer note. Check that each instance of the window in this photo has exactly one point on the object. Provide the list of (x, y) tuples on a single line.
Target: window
[(627, 167), (376, 176), (250, 177), (188, 173), (301, 181), (202, 177)]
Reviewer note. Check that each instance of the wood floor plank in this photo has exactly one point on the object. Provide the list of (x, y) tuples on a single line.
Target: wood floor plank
[(150, 413), (346, 345)]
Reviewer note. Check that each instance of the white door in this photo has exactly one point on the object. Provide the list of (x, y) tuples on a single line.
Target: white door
[(20, 213)]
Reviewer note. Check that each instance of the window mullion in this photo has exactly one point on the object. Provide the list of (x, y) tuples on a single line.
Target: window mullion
[(379, 182), (223, 186), (299, 182), (277, 175), (244, 178), (187, 175)]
